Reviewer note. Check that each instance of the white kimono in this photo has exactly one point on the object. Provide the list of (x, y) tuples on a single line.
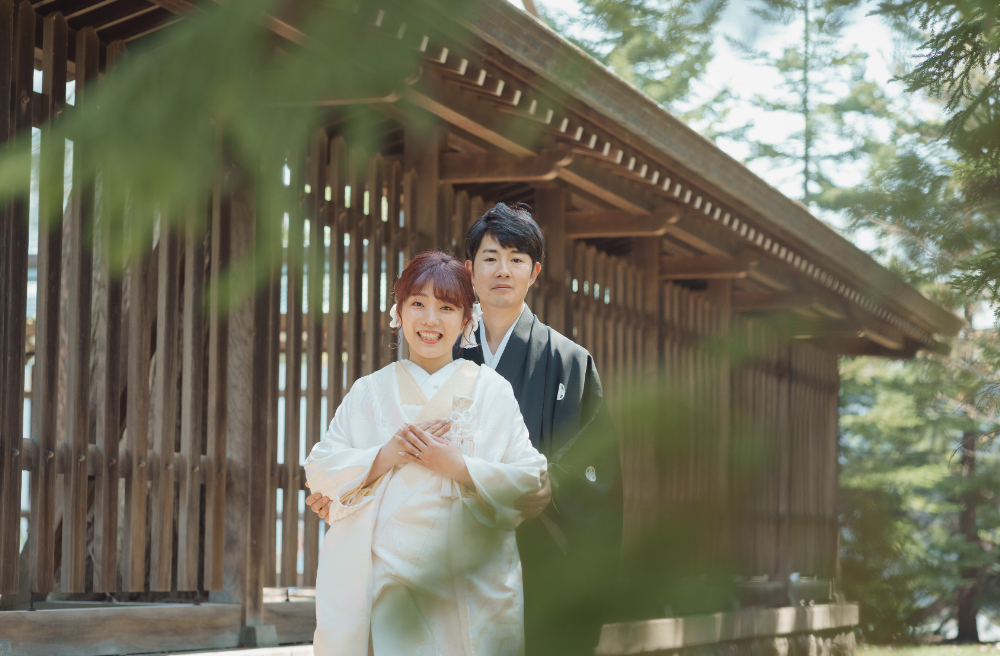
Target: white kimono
[(415, 562)]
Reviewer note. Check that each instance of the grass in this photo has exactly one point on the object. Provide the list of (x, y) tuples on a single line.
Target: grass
[(929, 650)]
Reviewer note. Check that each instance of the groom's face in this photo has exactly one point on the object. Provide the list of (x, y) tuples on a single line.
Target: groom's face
[(501, 275)]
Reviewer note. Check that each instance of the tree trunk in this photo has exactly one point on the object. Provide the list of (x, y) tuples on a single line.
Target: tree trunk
[(966, 595)]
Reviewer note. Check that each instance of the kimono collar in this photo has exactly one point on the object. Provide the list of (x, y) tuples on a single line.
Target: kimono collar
[(517, 346)]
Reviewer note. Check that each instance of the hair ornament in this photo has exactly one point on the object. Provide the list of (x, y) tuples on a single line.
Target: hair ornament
[(394, 316), (469, 334)]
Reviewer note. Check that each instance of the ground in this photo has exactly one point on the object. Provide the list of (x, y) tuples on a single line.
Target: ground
[(929, 650)]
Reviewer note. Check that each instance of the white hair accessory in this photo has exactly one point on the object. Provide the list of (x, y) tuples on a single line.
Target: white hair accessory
[(469, 334), (394, 316)]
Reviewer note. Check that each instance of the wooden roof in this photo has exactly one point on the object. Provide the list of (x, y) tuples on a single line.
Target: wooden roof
[(506, 83)]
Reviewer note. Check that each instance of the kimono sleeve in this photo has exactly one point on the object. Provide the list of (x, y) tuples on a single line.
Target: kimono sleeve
[(500, 483), (338, 464)]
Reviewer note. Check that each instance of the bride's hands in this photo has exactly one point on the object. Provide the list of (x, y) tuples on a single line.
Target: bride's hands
[(436, 454), (400, 447), (394, 452)]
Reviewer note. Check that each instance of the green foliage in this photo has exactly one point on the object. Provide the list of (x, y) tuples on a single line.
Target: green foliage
[(903, 486), (958, 54)]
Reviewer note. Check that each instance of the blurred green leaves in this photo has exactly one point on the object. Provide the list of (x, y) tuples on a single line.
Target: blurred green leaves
[(219, 101)]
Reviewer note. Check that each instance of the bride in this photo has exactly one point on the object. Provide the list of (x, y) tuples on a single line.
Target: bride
[(424, 460)]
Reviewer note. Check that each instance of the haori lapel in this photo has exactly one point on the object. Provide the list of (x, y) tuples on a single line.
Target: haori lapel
[(517, 347), (461, 383)]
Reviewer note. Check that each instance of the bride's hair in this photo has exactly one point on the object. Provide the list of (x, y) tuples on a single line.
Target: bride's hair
[(452, 282)]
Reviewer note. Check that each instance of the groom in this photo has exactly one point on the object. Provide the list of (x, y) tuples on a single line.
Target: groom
[(570, 543)]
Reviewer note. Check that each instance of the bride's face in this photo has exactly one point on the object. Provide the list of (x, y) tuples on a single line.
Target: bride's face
[(430, 326)]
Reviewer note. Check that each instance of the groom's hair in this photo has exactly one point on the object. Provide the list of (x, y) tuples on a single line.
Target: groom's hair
[(512, 227)]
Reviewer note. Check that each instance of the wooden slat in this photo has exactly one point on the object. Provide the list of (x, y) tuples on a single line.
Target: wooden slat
[(551, 211), (162, 478), (373, 258), (293, 391), (137, 424), (336, 180), (314, 342), (422, 145), (270, 481), (81, 218), (355, 260), (17, 27), (216, 402), (45, 384), (192, 405), (393, 247), (109, 344)]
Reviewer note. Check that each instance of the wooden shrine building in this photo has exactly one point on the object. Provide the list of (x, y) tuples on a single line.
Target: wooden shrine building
[(143, 452)]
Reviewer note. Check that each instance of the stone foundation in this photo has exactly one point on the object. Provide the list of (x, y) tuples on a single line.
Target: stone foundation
[(823, 630)]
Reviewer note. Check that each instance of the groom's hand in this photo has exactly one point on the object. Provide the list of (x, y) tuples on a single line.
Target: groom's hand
[(532, 504), (318, 504)]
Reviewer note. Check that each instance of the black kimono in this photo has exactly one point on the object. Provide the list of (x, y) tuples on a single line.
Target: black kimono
[(570, 555)]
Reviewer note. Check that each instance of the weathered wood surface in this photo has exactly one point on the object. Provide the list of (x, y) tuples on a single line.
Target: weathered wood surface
[(192, 405), (45, 384), (217, 392), (17, 28), (164, 410), (79, 278)]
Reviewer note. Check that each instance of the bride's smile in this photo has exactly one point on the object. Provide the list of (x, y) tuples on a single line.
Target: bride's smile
[(431, 326)]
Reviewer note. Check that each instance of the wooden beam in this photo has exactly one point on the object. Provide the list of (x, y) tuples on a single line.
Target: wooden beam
[(179, 7), (617, 223), (884, 336), (757, 301), (468, 168), (706, 267), (464, 109)]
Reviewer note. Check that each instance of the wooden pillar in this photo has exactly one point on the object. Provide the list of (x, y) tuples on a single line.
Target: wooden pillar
[(293, 389), (109, 389), (192, 406), (218, 395), (550, 212), (354, 224), (785, 443), (318, 219), (422, 144), (336, 174), (246, 428), (720, 294), (161, 516), (17, 53), (81, 218), (45, 385), (646, 258)]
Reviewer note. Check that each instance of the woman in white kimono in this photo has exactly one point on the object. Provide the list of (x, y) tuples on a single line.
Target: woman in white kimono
[(424, 460)]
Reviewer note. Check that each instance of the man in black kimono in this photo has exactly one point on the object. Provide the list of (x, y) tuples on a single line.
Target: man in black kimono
[(571, 540), (569, 549)]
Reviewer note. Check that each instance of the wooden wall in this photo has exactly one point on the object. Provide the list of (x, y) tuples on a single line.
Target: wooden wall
[(174, 463)]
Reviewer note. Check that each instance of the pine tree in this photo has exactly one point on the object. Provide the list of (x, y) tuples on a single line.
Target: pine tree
[(812, 70), (660, 46), (958, 63)]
